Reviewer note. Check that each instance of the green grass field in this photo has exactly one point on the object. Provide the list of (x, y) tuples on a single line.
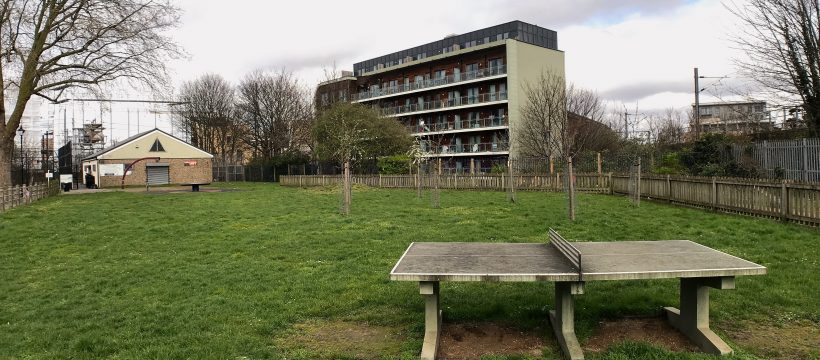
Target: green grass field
[(249, 274)]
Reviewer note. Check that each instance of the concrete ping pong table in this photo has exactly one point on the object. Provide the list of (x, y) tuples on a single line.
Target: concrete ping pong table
[(570, 265)]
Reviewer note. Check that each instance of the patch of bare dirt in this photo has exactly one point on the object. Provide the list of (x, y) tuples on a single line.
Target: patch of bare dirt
[(473, 340), (345, 339), (654, 330), (788, 342)]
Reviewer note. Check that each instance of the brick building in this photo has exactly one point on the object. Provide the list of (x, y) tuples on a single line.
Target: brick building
[(178, 163), (462, 95)]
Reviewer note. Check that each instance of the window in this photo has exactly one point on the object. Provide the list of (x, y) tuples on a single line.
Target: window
[(342, 95), (473, 118), (498, 119), (453, 98), (472, 95), (418, 82), (495, 65), (471, 70), (157, 147), (439, 76), (325, 100)]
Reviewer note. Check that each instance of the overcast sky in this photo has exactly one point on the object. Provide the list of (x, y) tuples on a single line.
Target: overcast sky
[(630, 51)]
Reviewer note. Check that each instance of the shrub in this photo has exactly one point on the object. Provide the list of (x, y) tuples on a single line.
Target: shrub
[(394, 165)]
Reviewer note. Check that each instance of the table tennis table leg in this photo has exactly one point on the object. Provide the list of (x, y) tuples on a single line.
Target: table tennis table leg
[(432, 319), (693, 317), (563, 318)]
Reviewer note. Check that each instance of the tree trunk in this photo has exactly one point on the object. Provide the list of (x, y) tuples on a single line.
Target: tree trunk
[(6, 160), (571, 188), (511, 190), (418, 181), (346, 190)]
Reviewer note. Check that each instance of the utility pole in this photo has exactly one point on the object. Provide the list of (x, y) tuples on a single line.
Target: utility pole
[(697, 105)]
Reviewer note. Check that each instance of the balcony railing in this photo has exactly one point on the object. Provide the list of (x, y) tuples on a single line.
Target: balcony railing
[(429, 83), (443, 104), (463, 124), (454, 149)]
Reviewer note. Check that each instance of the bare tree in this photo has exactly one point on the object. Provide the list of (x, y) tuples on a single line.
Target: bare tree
[(561, 121), (276, 111), (666, 127), (208, 117), (50, 46), (782, 43)]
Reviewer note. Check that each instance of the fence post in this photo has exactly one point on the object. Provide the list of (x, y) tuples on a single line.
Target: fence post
[(714, 193), (668, 188), (611, 184), (784, 201), (380, 180)]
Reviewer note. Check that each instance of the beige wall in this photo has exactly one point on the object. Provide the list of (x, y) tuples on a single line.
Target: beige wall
[(179, 173), (140, 148), (525, 64)]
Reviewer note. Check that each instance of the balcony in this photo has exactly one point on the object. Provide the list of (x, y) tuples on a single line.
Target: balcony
[(470, 149), (437, 105), (430, 84), (487, 123)]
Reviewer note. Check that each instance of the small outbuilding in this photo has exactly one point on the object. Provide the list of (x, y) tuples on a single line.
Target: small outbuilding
[(153, 157)]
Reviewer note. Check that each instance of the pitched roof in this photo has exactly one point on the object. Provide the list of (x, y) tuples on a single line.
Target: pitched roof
[(131, 139)]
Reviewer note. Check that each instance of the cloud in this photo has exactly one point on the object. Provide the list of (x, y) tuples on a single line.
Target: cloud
[(638, 90), (298, 62), (557, 14)]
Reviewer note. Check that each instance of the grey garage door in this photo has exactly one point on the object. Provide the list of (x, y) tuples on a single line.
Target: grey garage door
[(158, 175)]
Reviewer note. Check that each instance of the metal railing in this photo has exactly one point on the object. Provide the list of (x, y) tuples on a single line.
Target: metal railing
[(492, 121), (443, 104), (430, 82), (470, 148)]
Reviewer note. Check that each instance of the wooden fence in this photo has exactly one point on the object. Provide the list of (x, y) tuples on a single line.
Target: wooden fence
[(785, 200), (584, 182), (14, 196)]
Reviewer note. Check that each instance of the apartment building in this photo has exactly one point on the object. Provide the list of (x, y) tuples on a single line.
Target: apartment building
[(461, 95)]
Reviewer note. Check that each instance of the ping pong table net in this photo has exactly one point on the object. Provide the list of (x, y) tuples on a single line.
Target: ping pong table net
[(569, 251)]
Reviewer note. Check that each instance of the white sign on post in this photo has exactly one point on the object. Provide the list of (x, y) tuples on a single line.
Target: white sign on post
[(49, 175)]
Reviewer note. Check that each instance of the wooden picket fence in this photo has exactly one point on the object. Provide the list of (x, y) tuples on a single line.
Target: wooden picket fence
[(584, 182), (14, 196), (785, 200)]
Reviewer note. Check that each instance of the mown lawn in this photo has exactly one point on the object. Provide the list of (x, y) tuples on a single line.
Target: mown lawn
[(243, 274)]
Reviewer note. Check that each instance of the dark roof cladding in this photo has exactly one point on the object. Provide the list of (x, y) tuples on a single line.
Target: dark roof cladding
[(517, 30)]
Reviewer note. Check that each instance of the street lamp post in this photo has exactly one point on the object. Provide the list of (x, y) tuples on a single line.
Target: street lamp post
[(21, 131)]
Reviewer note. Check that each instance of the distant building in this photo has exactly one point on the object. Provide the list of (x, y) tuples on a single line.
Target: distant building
[(732, 118), (462, 95)]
